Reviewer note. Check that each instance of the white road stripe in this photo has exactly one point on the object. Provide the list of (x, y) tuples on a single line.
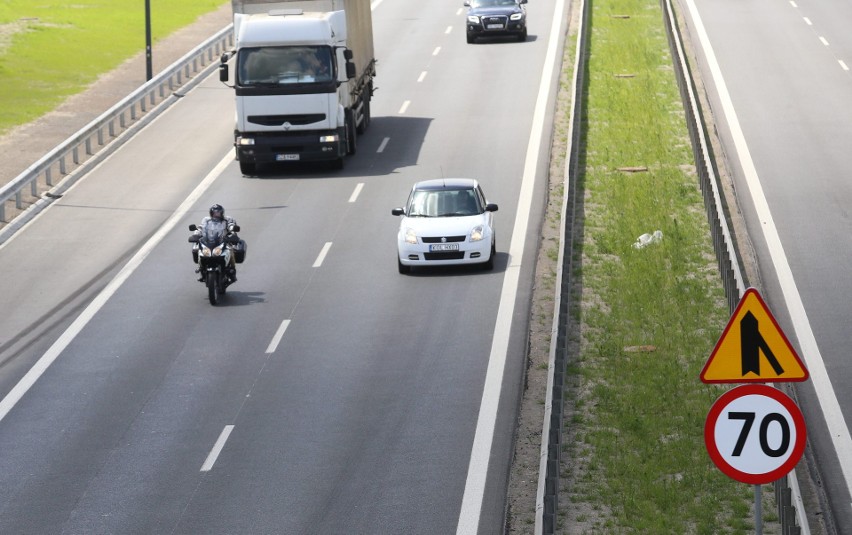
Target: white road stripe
[(448, 30), (436, 51), (793, 4), (474, 487), (383, 144), (101, 299), (843, 65), (322, 255), (404, 106), (357, 192), (422, 76), (217, 448), (823, 40), (837, 428), (808, 22), (273, 345), (459, 11)]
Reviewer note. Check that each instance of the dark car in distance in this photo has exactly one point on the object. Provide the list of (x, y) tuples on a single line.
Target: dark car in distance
[(486, 18)]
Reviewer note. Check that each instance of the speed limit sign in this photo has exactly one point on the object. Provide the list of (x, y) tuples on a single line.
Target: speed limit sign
[(755, 434)]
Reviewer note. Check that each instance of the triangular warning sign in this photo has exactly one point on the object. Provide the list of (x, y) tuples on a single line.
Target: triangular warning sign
[(753, 349)]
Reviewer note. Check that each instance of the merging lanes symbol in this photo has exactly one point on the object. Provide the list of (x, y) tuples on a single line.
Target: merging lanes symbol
[(751, 332)]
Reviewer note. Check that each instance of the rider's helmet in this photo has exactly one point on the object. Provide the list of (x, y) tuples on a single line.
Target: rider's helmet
[(217, 212)]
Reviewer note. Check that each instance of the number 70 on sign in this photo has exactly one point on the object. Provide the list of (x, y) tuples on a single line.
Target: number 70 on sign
[(755, 434)]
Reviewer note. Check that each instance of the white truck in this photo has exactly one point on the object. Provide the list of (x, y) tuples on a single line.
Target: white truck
[(303, 78)]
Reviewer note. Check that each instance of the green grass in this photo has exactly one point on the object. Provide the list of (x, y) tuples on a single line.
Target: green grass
[(650, 316), (51, 50)]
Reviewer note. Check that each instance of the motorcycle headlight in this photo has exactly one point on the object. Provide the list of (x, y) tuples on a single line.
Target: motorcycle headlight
[(410, 236), (477, 233), (516, 16), (473, 19), (205, 251), (217, 251)]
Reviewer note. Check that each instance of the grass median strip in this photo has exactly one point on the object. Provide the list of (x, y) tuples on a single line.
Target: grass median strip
[(51, 50), (648, 303)]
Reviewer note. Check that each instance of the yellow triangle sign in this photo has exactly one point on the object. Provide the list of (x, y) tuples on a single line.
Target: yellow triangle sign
[(753, 349)]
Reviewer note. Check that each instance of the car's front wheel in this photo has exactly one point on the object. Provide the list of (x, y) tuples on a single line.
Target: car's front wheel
[(522, 36), (402, 267), (471, 38), (489, 265)]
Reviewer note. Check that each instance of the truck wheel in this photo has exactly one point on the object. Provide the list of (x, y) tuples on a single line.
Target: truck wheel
[(248, 169), (351, 134)]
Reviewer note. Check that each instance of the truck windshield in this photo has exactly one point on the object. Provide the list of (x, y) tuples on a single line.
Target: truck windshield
[(284, 65)]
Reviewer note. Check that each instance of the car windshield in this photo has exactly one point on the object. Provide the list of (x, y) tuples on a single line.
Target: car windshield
[(284, 65), (443, 203), (491, 3)]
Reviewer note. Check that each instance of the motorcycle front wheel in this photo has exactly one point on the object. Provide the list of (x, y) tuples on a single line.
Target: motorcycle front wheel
[(213, 288)]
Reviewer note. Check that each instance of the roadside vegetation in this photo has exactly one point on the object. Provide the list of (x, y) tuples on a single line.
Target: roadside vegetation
[(644, 318), (52, 50)]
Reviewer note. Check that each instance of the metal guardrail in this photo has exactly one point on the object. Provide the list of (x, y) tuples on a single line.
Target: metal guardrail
[(63, 160), (547, 503), (787, 493)]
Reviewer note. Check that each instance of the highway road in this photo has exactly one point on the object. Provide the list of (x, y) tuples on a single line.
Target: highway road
[(328, 393), (779, 80)]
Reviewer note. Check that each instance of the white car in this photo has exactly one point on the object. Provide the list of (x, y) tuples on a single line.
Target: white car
[(446, 221)]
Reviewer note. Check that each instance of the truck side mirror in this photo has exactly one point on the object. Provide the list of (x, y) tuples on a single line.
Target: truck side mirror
[(350, 70), (223, 72), (347, 54)]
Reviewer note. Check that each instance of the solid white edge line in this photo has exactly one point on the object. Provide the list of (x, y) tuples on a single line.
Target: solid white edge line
[(321, 258), (273, 344), (838, 430), (382, 145), (357, 192), (217, 449), (474, 488), (404, 106), (43, 363)]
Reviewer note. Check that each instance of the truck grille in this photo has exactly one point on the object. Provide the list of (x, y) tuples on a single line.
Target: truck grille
[(278, 120)]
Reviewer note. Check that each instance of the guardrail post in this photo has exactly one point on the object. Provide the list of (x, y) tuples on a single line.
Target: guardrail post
[(89, 146), (19, 201), (75, 155), (62, 169), (48, 176), (101, 136)]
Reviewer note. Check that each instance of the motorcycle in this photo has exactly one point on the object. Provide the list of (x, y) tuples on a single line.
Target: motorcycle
[(212, 252)]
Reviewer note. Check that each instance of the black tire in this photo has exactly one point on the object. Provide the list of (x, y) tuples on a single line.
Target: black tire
[(523, 36), (213, 288), (351, 133), (471, 39), (403, 269), (337, 164), (248, 168), (489, 265)]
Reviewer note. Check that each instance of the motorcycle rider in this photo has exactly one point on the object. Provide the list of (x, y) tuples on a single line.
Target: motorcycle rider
[(217, 222)]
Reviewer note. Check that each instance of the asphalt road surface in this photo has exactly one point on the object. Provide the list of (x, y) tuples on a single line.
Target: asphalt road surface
[(779, 80), (327, 393)]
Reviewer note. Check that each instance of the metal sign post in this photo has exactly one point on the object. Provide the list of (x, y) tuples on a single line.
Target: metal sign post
[(149, 68)]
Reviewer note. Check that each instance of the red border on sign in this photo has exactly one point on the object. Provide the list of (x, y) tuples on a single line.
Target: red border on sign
[(758, 390)]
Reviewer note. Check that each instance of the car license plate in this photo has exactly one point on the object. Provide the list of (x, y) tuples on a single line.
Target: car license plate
[(286, 157), (495, 26), (444, 247)]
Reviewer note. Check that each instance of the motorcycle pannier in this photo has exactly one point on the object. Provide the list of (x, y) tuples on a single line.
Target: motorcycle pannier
[(240, 252)]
